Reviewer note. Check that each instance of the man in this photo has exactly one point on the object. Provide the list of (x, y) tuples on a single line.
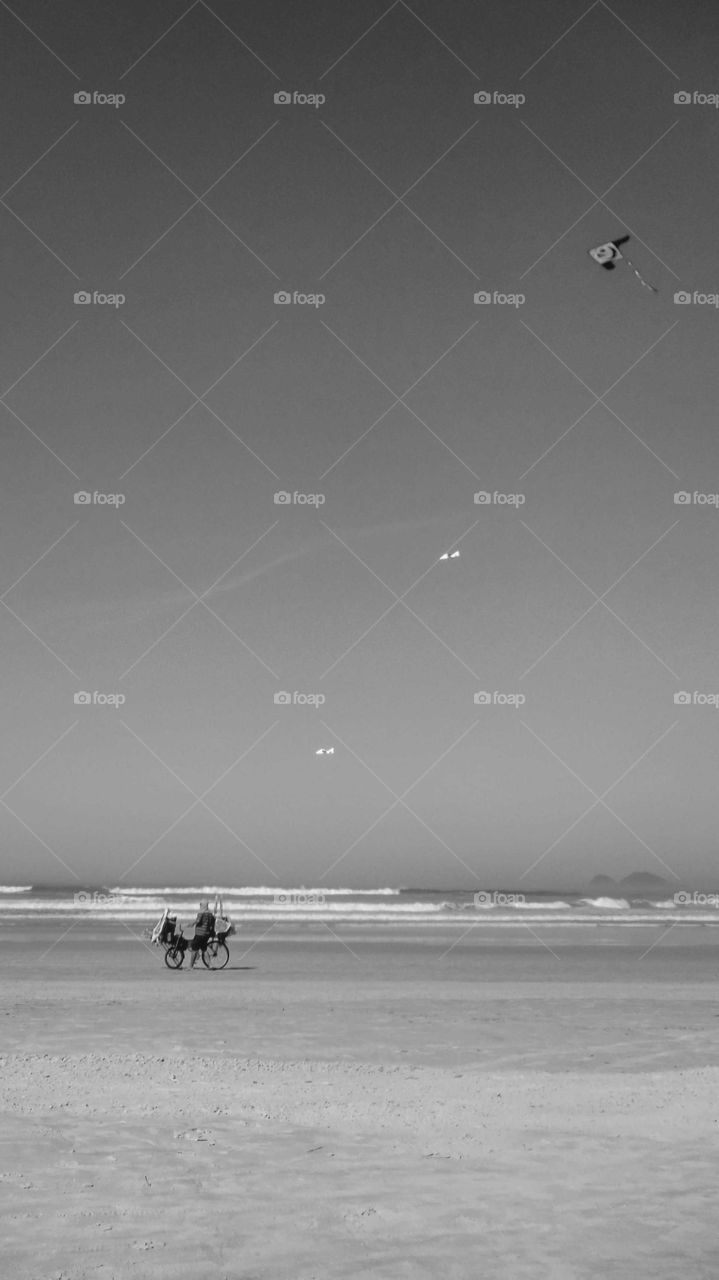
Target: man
[(204, 929)]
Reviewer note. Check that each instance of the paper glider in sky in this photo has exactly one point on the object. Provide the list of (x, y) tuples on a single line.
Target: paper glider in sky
[(608, 255), (325, 751), (450, 555)]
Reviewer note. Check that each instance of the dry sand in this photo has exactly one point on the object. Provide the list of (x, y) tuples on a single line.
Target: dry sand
[(385, 1114)]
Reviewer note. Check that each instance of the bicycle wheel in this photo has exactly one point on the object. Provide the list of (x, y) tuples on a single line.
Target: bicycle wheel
[(215, 955), (174, 957)]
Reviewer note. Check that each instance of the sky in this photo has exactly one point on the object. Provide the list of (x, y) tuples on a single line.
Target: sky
[(183, 597)]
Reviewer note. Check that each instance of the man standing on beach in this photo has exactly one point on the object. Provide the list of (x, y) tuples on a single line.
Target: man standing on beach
[(204, 929)]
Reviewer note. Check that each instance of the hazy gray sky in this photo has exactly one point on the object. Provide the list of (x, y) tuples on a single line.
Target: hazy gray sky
[(397, 400)]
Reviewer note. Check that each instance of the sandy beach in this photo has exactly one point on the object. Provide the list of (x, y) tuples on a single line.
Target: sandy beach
[(389, 1111)]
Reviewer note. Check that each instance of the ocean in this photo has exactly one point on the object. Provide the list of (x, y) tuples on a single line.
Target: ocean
[(400, 908)]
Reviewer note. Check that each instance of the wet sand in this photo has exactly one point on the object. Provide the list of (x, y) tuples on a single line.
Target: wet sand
[(391, 1110)]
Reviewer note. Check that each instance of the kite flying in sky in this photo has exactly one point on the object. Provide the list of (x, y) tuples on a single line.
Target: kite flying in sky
[(450, 555), (608, 255)]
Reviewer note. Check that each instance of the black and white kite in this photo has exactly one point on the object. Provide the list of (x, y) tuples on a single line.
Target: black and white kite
[(450, 555), (608, 255), (325, 751)]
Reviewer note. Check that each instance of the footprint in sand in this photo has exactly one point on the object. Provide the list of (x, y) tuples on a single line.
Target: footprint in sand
[(196, 1135)]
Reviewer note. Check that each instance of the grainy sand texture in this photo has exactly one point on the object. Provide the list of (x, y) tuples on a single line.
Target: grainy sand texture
[(314, 1114)]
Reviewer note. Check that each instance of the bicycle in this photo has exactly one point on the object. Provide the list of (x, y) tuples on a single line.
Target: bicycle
[(214, 956)]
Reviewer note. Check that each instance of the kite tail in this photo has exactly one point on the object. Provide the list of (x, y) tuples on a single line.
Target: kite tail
[(640, 278)]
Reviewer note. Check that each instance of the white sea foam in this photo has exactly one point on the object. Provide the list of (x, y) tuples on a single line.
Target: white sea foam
[(542, 906), (248, 891), (607, 904)]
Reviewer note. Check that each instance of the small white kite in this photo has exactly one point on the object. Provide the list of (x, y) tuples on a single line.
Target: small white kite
[(608, 255), (450, 555), (325, 751)]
